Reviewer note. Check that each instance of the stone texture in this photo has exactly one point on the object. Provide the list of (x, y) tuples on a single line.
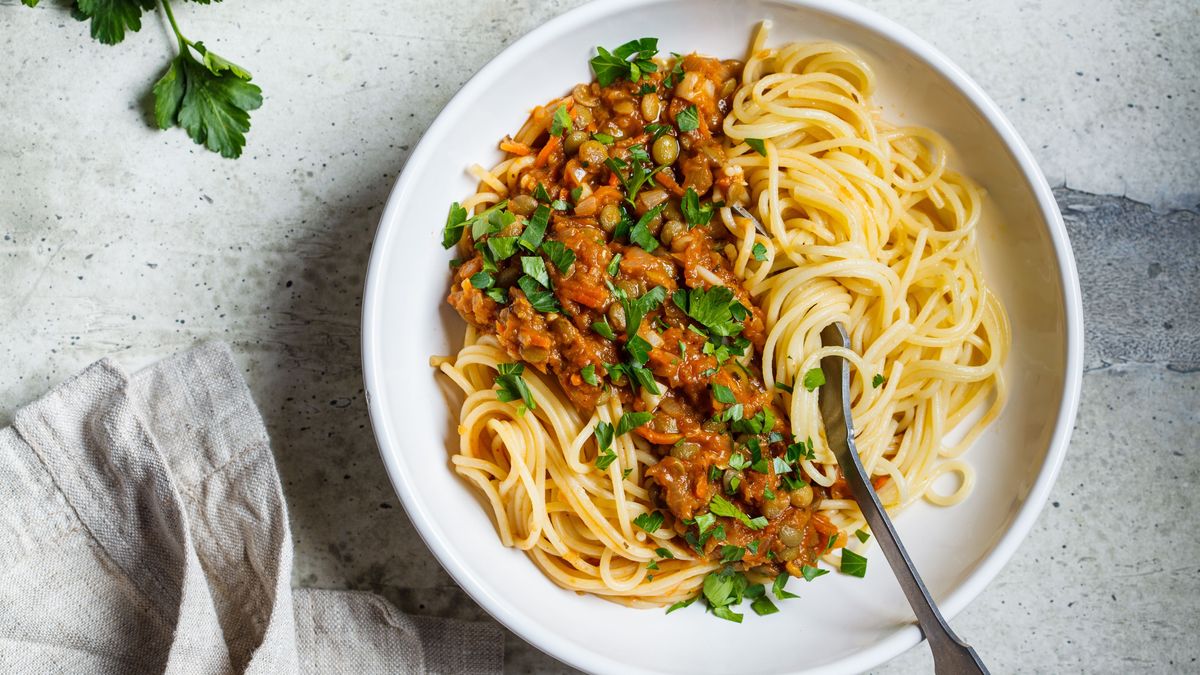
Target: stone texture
[(118, 239)]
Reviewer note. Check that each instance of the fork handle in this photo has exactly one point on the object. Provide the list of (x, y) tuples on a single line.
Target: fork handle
[(951, 655)]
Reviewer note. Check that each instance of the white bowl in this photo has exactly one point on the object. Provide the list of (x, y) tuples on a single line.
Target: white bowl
[(840, 624)]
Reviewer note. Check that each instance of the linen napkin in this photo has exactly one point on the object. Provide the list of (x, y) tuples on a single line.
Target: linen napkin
[(143, 529)]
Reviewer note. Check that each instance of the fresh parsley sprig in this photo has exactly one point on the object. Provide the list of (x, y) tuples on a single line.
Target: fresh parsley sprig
[(206, 95), (631, 60)]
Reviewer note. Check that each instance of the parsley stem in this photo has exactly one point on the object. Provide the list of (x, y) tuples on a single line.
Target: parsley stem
[(183, 42)]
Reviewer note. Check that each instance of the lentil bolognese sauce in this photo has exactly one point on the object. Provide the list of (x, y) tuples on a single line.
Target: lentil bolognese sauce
[(620, 418)]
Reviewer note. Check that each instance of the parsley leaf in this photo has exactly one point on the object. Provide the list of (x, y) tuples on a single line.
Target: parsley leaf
[(723, 394), (632, 420), (727, 614), (693, 213), (862, 536), (723, 507), (540, 193), (853, 564), (482, 280), (731, 553), (535, 267), (211, 101), (681, 604), (604, 438), (639, 350), (757, 145), (511, 386), (814, 378), (644, 378), (588, 373), (502, 248), (664, 553), (561, 122), (811, 572), (535, 229), (763, 606), (456, 220), (603, 139), (110, 19), (759, 251), (614, 265), (778, 588), (712, 308), (610, 66), (650, 522), (636, 309), (640, 234), (541, 299), (559, 254), (604, 329), (878, 380), (783, 387), (688, 119)]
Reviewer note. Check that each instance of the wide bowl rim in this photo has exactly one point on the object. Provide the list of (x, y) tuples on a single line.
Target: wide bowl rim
[(903, 638)]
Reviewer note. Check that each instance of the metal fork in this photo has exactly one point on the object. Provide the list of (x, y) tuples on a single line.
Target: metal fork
[(950, 654)]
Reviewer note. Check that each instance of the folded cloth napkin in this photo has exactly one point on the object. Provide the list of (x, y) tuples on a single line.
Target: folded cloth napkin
[(143, 529)]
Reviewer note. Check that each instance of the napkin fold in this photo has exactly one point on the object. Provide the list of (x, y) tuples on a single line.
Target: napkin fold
[(143, 529)]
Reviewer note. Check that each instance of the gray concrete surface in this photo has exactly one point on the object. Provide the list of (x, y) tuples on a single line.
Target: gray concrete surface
[(117, 239)]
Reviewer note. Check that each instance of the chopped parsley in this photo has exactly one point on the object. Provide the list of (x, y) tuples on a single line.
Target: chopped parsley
[(640, 234), (723, 507), (693, 213), (559, 254), (763, 606), (757, 145), (656, 130), (456, 220), (482, 280), (603, 329), (604, 139), (638, 349), (614, 265), (759, 251), (814, 378), (588, 373), (712, 308), (723, 394), (638, 175), (535, 229), (853, 564), (502, 248), (650, 522), (783, 387), (809, 572), (731, 553), (688, 119), (561, 122), (878, 380), (632, 420), (535, 267), (510, 386), (862, 536), (498, 294), (540, 194), (541, 299), (636, 309), (682, 603), (629, 61), (778, 588), (604, 438)]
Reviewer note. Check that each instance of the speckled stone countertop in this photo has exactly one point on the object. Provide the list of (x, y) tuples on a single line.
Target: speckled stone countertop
[(119, 240)]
